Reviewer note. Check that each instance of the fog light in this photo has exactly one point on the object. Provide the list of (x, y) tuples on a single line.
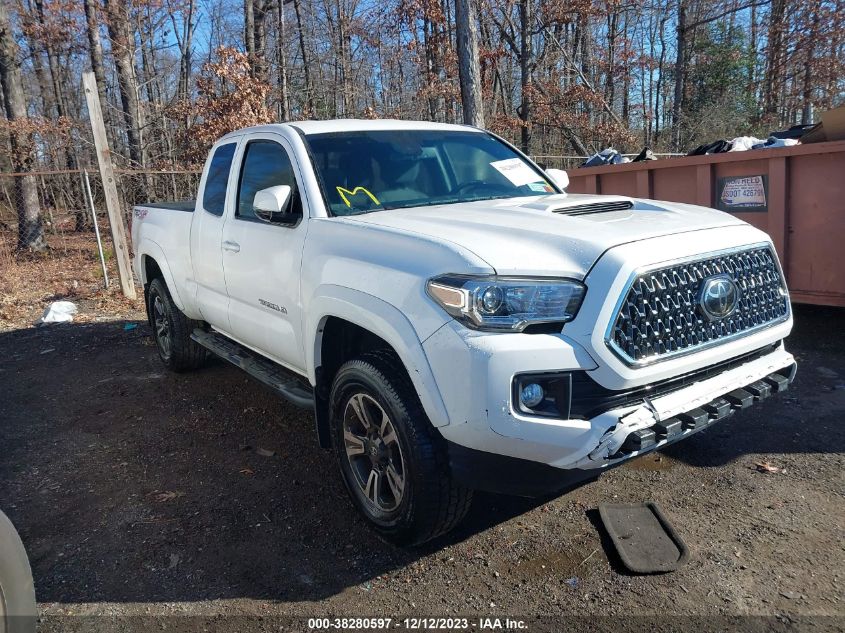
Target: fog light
[(531, 395)]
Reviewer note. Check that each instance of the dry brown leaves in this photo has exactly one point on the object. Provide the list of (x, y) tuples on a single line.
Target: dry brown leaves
[(229, 98), (69, 271)]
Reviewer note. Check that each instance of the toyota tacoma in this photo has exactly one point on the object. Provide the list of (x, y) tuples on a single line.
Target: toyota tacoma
[(454, 318)]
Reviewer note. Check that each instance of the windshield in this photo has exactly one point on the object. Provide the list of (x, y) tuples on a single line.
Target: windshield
[(363, 172)]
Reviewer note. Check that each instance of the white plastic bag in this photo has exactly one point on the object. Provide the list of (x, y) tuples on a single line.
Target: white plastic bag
[(58, 312), (744, 143)]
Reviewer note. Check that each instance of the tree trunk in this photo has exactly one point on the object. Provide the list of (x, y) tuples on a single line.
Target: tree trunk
[(309, 89), (774, 55), (260, 26), (680, 72), (585, 44), (526, 61), (249, 33), (469, 70), (52, 65), (186, 53), (48, 101), (117, 16), (807, 91), (95, 53), (610, 83), (30, 231), (342, 53), (284, 108)]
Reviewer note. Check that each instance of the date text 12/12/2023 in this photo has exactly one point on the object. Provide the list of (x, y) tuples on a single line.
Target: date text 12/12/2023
[(418, 624)]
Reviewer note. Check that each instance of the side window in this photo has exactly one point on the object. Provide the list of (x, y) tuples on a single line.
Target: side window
[(214, 195), (265, 164)]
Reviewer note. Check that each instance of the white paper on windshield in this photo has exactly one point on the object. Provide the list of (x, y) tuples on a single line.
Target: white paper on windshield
[(516, 171)]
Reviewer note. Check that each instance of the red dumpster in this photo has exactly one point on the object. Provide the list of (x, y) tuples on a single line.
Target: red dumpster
[(796, 194)]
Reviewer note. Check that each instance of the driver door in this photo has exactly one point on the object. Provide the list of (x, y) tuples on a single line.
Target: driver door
[(262, 260)]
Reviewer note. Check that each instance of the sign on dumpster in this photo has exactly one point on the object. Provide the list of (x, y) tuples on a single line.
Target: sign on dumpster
[(743, 193)]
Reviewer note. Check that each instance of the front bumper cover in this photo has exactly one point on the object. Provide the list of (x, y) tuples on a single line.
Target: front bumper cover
[(649, 427)]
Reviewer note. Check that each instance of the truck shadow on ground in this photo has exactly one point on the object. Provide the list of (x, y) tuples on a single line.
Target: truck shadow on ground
[(130, 484)]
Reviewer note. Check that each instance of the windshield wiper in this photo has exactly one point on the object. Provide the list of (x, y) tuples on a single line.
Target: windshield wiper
[(434, 203), (429, 203)]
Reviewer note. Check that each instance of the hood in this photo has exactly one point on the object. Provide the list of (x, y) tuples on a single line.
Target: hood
[(556, 235)]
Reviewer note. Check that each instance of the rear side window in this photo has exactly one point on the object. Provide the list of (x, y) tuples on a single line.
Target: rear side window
[(214, 195), (265, 164)]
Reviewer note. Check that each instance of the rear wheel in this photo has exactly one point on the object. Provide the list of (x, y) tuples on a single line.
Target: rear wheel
[(172, 330), (393, 461)]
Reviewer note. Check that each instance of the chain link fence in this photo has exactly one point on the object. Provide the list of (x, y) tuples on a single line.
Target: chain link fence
[(48, 244)]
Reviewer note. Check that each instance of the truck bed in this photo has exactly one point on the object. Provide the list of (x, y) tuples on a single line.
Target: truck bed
[(166, 232)]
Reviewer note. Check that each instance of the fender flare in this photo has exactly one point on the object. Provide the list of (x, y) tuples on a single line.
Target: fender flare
[(383, 320), (151, 249)]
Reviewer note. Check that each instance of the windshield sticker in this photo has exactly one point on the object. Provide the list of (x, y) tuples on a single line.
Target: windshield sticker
[(540, 186), (344, 192), (518, 172)]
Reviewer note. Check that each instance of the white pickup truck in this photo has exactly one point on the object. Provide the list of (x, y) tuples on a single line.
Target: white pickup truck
[(454, 318)]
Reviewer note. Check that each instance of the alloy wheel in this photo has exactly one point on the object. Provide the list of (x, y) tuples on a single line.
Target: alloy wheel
[(162, 326), (374, 452)]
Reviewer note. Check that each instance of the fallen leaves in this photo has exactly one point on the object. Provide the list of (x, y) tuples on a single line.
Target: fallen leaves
[(69, 271)]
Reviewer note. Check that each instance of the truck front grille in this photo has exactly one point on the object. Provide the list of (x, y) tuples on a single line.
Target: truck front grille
[(661, 316)]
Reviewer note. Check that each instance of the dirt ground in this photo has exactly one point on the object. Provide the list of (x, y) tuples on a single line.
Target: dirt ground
[(141, 494)]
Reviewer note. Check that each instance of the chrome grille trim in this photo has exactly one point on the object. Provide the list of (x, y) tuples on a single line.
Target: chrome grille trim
[(673, 286)]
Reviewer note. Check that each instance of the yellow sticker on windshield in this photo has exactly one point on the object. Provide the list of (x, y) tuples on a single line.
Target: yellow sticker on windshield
[(343, 193)]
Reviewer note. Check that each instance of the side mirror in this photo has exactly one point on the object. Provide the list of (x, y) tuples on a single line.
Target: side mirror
[(560, 177), (269, 205)]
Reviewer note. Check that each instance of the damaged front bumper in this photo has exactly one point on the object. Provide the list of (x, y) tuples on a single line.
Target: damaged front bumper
[(623, 433), (670, 418)]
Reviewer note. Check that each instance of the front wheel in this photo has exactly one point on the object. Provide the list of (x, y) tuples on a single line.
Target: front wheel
[(392, 460)]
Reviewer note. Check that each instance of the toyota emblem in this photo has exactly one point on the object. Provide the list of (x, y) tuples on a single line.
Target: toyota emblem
[(719, 297)]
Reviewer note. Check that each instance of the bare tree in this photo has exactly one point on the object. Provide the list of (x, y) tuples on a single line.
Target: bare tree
[(306, 71), (123, 50), (95, 52), (30, 231), (281, 59), (526, 67), (468, 66)]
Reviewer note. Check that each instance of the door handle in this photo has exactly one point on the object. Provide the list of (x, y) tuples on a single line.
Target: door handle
[(229, 245)]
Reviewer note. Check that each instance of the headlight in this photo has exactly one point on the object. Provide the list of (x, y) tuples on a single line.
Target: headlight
[(508, 304)]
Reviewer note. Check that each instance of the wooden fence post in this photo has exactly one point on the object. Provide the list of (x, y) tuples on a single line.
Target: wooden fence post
[(118, 229)]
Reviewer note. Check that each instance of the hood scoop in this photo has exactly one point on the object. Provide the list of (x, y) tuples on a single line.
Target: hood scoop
[(595, 207), (580, 204)]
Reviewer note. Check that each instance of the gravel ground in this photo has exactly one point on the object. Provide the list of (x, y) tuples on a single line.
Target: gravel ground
[(141, 494)]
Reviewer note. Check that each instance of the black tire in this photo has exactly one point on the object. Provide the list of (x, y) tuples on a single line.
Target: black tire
[(431, 502), (172, 330), (17, 592)]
